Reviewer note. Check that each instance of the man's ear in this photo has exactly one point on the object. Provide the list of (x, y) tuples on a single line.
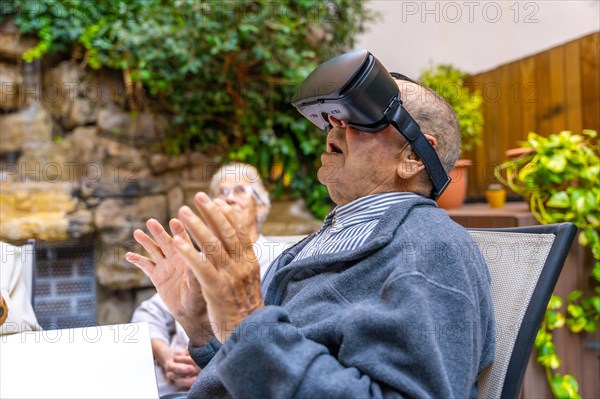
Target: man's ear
[(410, 163)]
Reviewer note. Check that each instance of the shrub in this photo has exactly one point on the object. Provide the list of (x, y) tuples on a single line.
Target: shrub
[(224, 71)]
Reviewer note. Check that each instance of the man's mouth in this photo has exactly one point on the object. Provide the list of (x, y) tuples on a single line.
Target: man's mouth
[(331, 147)]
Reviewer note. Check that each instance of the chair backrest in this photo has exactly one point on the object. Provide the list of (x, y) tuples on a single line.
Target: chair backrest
[(524, 264)]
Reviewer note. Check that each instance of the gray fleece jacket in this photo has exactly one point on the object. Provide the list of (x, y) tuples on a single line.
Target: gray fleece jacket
[(408, 314)]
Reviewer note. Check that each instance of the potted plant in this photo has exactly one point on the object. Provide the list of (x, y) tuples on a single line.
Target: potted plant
[(449, 82), (560, 177)]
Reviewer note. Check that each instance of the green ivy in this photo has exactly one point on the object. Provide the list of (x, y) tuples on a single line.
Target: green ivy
[(224, 71)]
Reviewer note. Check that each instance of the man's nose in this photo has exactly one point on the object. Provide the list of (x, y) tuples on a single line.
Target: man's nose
[(336, 122)]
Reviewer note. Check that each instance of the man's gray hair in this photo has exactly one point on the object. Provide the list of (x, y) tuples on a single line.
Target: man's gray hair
[(436, 117), (246, 174)]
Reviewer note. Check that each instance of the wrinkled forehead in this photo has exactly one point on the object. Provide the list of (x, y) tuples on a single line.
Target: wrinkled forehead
[(234, 179)]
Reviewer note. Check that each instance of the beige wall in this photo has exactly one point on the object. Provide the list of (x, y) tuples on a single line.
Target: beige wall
[(473, 35)]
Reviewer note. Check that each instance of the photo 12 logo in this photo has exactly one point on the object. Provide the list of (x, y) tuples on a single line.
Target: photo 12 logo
[(470, 11), (117, 333)]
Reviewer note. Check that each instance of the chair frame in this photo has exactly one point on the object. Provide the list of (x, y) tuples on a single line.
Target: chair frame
[(564, 235)]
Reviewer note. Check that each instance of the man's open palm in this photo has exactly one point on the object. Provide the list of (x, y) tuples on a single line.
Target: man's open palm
[(173, 280)]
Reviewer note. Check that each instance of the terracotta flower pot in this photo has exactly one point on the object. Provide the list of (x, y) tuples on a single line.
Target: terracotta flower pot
[(454, 195), (518, 152)]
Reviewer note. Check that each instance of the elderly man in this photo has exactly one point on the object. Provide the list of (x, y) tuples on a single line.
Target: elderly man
[(390, 298), (241, 187)]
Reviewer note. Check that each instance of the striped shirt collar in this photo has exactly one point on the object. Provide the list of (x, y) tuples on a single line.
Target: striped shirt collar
[(349, 226), (363, 209)]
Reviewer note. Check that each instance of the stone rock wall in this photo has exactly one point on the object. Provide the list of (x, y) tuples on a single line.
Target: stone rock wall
[(74, 164)]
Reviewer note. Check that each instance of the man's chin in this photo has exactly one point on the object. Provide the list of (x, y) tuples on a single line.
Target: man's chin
[(329, 173)]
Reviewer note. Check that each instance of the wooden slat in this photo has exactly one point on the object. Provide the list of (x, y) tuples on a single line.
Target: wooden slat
[(530, 95), (490, 136), (517, 98), (499, 98), (535, 384), (506, 108), (590, 79), (556, 81), (542, 79), (573, 107)]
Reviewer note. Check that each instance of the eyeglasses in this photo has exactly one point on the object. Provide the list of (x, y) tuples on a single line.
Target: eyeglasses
[(239, 190)]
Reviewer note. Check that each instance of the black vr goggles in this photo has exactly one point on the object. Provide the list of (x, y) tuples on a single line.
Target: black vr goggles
[(355, 88)]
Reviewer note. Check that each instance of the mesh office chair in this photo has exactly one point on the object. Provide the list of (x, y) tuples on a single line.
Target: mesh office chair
[(524, 264)]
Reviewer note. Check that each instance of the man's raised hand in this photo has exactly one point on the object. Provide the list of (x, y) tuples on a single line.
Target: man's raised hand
[(226, 268), (175, 283)]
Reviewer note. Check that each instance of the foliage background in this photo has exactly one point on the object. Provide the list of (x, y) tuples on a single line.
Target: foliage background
[(222, 71), (449, 82)]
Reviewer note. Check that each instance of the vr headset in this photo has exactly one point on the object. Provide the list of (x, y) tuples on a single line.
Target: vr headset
[(355, 88)]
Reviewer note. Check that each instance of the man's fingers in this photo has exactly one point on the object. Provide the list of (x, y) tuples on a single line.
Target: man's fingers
[(203, 269), (211, 246), (160, 235), (149, 245), (178, 229), (233, 217), (142, 262), (219, 223), (243, 241)]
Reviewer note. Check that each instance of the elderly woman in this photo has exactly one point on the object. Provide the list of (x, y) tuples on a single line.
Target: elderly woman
[(241, 187)]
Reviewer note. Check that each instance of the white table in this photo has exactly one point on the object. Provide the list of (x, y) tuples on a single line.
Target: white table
[(112, 361)]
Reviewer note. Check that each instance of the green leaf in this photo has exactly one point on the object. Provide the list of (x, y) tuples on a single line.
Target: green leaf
[(591, 326), (574, 295), (559, 200), (596, 271), (583, 239), (576, 325), (555, 319), (550, 360), (595, 303), (556, 163), (565, 386), (542, 338), (555, 302)]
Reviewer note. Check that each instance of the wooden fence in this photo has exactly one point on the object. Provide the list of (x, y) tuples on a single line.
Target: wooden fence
[(555, 90)]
